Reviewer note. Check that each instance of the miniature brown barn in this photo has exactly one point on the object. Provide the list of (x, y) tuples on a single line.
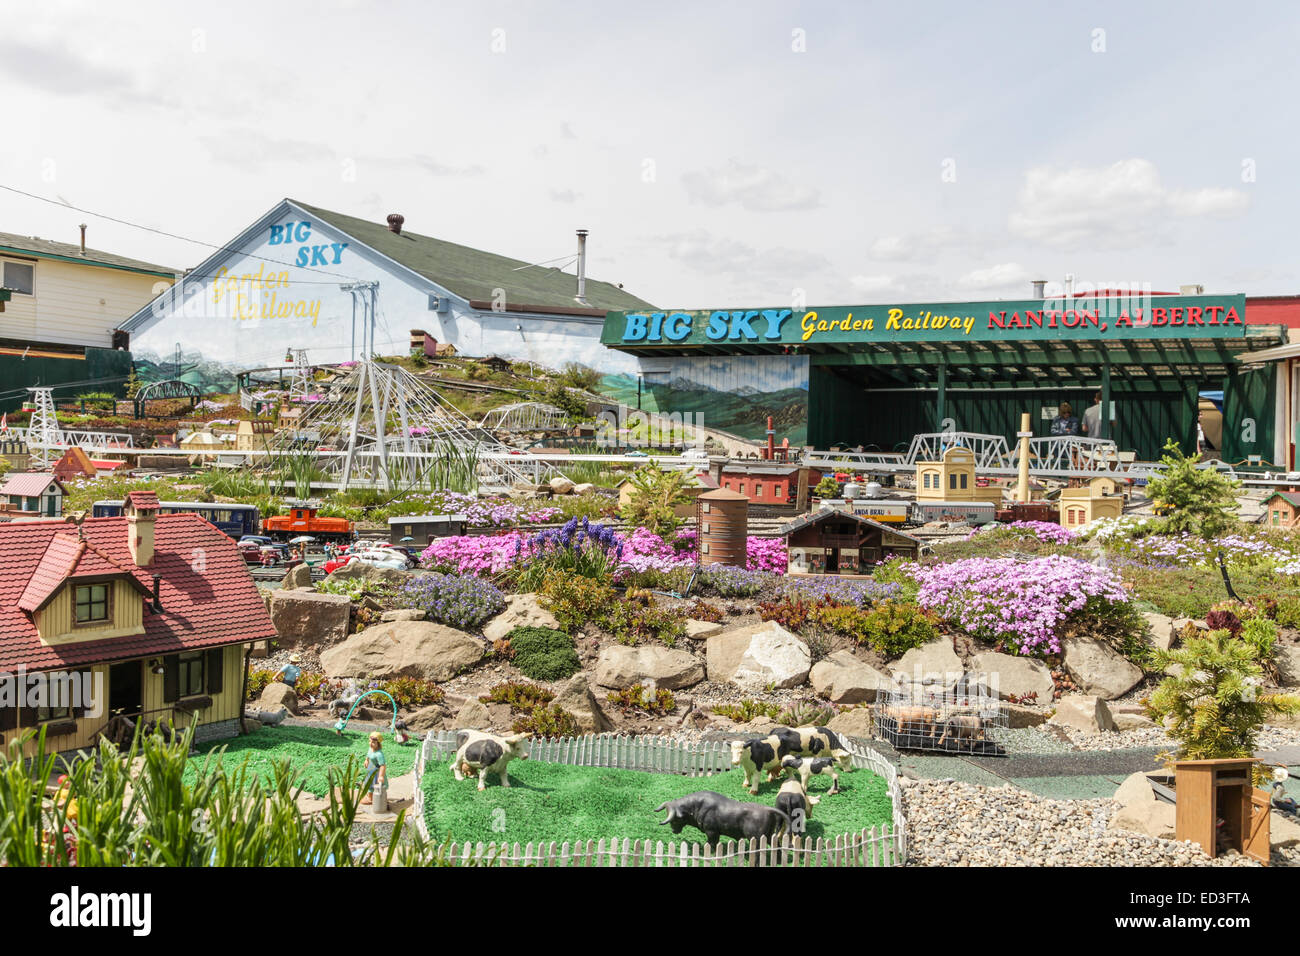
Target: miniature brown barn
[(835, 542)]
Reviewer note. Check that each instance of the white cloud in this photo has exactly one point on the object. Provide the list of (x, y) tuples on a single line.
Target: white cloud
[(1122, 204), (755, 188), (1005, 275), (924, 245), (873, 285), (703, 252)]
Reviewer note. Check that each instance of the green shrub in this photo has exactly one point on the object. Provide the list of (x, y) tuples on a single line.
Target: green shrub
[(806, 713), (573, 598), (257, 681), (1288, 612), (413, 691), (637, 697), (520, 695), (888, 627), (547, 720), (747, 710), (632, 622), (653, 500), (704, 611), (543, 653)]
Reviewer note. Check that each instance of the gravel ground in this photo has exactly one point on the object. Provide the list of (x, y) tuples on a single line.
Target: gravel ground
[(1270, 738), (961, 824)]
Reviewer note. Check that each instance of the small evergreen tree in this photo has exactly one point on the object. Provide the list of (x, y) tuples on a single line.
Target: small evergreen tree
[(828, 487), (1200, 501), (1215, 701)]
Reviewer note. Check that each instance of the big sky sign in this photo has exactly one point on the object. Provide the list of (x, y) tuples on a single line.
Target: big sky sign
[(1088, 317)]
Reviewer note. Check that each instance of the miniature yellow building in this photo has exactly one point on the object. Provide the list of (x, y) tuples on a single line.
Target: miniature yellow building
[(253, 435), (953, 479), (1097, 499)]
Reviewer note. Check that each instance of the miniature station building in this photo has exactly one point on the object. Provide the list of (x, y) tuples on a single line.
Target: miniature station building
[(953, 479), (119, 604), (35, 492), (1098, 498), (831, 541), (253, 434), (875, 375), (422, 529)]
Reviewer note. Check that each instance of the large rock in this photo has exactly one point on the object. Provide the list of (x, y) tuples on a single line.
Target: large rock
[(584, 488), (404, 649), (473, 715), (1133, 722), (276, 695), (620, 666), (843, 679), (1287, 659), (372, 573), (1014, 676), (560, 485), (1086, 712), (1141, 811), (427, 718), (697, 630), (854, 723), (1160, 631), (933, 663), (305, 617), (754, 656), (522, 610), (404, 614), (1098, 668), (1020, 716), (298, 576), (577, 697), (1283, 830)]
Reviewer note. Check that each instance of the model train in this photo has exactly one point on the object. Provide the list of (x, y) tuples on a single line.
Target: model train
[(238, 520), (904, 511)]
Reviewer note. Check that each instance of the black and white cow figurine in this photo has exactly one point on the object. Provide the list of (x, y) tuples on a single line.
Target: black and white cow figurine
[(796, 803), (717, 816), (757, 756), (813, 742), (481, 753), (806, 767)]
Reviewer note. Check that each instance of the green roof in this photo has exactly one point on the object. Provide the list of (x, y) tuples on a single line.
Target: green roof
[(474, 275), (71, 252)]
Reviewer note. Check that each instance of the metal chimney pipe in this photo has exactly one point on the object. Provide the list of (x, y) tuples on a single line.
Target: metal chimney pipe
[(582, 266), (1040, 288), (83, 238), (395, 221)]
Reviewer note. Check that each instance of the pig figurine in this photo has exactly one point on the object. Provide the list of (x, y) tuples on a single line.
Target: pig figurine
[(716, 816), (481, 753)]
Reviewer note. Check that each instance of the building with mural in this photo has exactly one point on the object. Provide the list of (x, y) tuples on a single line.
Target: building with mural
[(340, 287), (875, 375), (60, 304)]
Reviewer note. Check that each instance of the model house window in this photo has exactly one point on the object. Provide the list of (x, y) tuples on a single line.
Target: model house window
[(92, 603), (741, 488), (1277, 517), (56, 698), (758, 489), (19, 277), (952, 481), (778, 490), (963, 480), (190, 674)]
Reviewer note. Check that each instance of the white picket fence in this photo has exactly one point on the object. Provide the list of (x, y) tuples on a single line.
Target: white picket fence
[(875, 846)]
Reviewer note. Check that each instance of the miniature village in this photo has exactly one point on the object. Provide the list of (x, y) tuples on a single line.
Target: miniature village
[(427, 608)]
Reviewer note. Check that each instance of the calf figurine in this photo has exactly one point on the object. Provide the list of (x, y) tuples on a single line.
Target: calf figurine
[(818, 742), (717, 816), (757, 756), (796, 803), (805, 767), (482, 754)]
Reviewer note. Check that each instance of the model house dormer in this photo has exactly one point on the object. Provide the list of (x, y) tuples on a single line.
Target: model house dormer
[(78, 593)]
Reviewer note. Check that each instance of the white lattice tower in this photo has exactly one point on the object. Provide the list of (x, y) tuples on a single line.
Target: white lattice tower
[(43, 433), (302, 384)]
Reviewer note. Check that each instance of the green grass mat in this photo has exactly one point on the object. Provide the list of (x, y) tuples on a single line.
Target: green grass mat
[(548, 801), (311, 751)]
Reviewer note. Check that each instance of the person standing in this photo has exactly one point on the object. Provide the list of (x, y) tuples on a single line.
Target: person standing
[(376, 768), (1065, 422), (1092, 418)]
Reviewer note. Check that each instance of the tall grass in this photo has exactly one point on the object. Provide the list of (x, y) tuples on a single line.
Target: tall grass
[(454, 468), (134, 809)]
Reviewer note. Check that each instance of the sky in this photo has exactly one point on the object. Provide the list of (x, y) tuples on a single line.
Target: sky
[(721, 154)]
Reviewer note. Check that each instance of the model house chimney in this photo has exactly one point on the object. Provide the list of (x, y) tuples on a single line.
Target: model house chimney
[(395, 221), (582, 266), (1040, 288), (155, 601), (140, 518), (83, 238)]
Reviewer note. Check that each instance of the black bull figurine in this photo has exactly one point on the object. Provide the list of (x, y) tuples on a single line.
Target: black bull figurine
[(715, 815)]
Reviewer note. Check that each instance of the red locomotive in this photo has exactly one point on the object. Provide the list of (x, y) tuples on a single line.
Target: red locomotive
[(302, 519)]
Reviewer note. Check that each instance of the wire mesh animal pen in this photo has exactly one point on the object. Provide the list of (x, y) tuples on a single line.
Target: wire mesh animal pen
[(964, 719)]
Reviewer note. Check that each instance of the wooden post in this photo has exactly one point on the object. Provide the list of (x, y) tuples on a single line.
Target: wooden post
[(801, 497)]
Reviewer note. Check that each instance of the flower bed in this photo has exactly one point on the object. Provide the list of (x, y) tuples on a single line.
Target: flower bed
[(1023, 603), (463, 602), (1046, 531)]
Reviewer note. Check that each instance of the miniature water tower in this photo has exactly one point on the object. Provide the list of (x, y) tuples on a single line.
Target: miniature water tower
[(722, 520)]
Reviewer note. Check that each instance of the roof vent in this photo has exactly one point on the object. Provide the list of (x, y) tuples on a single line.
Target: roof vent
[(395, 221)]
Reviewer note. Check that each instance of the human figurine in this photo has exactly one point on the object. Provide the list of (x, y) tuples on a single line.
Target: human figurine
[(290, 672), (376, 768)]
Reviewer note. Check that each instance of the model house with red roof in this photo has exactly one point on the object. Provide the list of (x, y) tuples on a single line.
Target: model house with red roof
[(154, 613), (33, 491), (74, 463)]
